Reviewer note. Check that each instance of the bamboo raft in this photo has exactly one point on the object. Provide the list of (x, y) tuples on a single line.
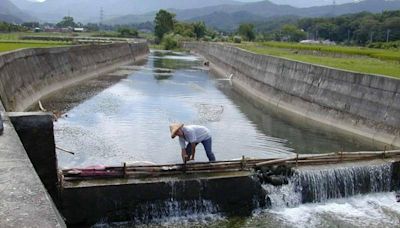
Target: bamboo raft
[(244, 164)]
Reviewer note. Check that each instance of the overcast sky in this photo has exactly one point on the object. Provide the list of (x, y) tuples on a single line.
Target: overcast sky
[(298, 3)]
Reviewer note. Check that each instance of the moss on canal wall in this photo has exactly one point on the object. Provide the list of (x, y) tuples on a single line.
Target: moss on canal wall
[(367, 105), (27, 75)]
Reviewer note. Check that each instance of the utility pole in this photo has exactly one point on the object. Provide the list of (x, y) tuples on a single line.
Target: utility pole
[(387, 35), (371, 37), (101, 18), (334, 7), (348, 35)]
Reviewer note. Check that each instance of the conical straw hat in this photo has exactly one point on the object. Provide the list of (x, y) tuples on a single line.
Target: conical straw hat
[(173, 128)]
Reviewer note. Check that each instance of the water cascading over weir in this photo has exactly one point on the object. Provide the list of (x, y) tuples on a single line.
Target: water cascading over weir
[(322, 183)]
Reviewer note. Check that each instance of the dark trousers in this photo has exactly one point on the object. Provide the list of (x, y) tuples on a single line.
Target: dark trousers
[(207, 147)]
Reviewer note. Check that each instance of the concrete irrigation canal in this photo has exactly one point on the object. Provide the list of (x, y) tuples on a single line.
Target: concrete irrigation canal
[(282, 132)]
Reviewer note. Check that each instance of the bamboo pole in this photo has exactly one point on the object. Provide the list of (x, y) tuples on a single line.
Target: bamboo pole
[(273, 162), (41, 107), (337, 160), (234, 165), (67, 151)]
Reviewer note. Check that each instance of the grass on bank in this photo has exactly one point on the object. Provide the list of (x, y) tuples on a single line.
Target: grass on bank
[(13, 36), (12, 41), (12, 45), (365, 60), (156, 46)]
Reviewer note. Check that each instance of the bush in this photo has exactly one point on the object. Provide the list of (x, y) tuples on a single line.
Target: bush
[(385, 45), (169, 42), (207, 38), (224, 38), (128, 32), (237, 39)]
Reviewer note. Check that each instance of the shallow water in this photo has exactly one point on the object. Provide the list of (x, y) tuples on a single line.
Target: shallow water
[(129, 120)]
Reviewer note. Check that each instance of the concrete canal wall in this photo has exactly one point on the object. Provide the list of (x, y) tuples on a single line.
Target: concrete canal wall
[(27, 159), (23, 198), (27, 75), (366, 105)]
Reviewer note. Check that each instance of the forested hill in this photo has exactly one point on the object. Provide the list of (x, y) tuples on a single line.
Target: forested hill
[(10, 13), (228, 16), (264, 11), (89, 10)]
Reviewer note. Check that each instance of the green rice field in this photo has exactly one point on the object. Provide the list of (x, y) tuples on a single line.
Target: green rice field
[(11, 41), (12, 45)]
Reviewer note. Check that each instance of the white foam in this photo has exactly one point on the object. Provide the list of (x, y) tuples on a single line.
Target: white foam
[(379, 209)]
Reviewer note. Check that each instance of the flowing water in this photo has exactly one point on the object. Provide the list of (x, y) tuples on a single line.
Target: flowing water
[(327, 197), (127, 120)]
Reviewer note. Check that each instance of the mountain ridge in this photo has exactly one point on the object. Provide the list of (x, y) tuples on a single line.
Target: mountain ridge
[(89, 10), (9, 12), (261, 11)]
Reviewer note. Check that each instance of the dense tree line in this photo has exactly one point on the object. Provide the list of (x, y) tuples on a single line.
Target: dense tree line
[(360, 28), (7, 27)]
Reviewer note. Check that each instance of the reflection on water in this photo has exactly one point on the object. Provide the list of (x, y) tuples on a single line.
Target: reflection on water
[(129, 120), (305, 137)]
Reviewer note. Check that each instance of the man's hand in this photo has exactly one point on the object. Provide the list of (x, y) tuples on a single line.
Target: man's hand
[(185, 157)]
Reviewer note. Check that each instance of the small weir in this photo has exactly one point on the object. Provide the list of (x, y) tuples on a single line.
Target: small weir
[(152, 194), (322, 183)]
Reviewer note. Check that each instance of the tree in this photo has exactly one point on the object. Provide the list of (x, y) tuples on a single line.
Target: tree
[(7, 27), (199, 29), (367, 30), (184, 29), (66, 22), (164, 23), (92, 27), (292, 33), (326, 30), (247, 31)]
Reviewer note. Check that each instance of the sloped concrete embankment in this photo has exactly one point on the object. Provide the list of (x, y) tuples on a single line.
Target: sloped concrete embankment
[(27, 75), (362, 104)]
